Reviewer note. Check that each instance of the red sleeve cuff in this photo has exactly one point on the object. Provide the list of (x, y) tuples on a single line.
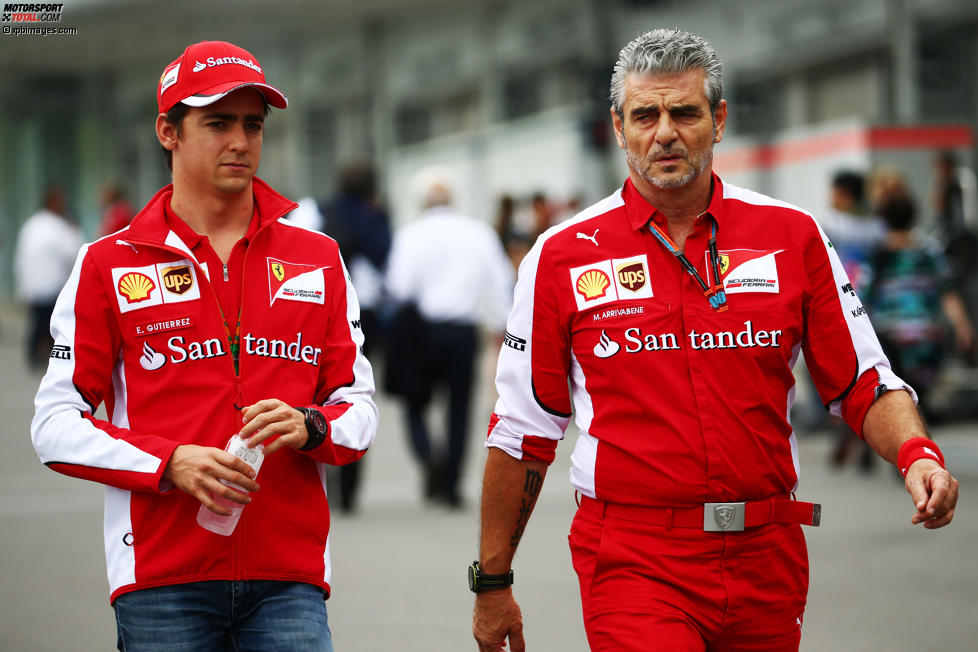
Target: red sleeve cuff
[(539, 449), (856, 403)]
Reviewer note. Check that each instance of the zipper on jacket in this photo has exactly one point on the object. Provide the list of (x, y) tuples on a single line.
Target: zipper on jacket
[(238, 550), (240, 547), (238, 564), (236, 349)]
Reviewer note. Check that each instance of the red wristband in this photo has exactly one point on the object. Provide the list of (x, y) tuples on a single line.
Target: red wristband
[(915, 449)]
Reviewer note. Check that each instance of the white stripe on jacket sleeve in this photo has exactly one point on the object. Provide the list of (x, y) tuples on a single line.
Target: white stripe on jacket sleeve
[(59, 432), (518, 410), (357, 426)]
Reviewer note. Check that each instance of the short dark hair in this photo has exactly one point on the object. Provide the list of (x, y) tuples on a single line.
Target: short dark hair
[(849, 182), (899, 213), (175, 117)]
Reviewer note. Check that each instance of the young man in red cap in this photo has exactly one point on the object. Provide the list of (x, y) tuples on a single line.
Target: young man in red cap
[(209, 316)]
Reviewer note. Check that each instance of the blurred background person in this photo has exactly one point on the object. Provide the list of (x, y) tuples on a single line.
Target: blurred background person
[(46, 248), (855, 235), (909, 298), (117, 212), (542, 214), (449, 273), (356, 218), (948, 201), (953, 229), (516, 242), (570, 208), (505, 218), (885, 182)]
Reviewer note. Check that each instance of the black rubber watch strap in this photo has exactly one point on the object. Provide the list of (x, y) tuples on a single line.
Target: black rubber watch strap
[(479, 581), (316, 426)]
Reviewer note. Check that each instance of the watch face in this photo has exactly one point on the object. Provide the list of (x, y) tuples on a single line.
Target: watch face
[(318, 421), (473, 579)]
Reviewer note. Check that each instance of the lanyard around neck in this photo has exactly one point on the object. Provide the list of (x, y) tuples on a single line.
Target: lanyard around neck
[(715, 294)]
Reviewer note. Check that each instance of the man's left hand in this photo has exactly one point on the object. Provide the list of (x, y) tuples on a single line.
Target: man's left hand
[(934, 491), (273, 418)]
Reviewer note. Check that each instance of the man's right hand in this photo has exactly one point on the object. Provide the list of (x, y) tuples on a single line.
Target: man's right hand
[(497, 617), (197, 470)]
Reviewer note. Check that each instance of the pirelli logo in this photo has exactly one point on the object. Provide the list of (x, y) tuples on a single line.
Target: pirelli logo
[(61, 352), (513, 342)]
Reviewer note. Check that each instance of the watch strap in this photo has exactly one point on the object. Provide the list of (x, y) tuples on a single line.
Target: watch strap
[(479, 581), (316, 435)]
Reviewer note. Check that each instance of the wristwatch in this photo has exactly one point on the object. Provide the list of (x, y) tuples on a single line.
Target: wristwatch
[(317, 427), (479, 581)]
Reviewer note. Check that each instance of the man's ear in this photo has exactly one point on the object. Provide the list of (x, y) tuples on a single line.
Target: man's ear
[(166, 132), (619, 133), (720, 121)]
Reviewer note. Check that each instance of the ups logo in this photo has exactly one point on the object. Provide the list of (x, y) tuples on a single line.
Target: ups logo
[(632, 276), (178, 279)]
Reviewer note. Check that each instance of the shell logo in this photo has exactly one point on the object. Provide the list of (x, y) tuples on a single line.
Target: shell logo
[(136, 287), (593, 284)]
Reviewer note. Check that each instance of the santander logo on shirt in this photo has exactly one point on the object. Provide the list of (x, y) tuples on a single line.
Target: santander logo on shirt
[(634, 340), (606, 347)]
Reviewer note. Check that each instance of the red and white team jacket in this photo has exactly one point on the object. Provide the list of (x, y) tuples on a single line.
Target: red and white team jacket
[(138, 328), (677, 404)]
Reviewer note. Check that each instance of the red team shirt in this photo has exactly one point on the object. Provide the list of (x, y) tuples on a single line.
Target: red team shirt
[(677, 404), (138, 328)]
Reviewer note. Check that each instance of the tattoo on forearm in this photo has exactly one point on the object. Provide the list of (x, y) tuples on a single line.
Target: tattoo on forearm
[(531, 488)]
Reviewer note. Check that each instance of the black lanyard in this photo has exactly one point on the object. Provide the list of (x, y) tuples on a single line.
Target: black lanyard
[(715, 295)]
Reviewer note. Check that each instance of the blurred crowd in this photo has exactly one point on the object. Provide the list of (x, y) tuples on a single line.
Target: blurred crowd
[(914, 280), (438, 290)]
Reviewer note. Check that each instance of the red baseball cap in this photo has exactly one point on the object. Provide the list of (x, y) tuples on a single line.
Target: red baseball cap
[(209, 70)]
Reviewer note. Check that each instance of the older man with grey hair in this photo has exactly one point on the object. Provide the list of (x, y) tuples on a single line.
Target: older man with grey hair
[(666, 319)]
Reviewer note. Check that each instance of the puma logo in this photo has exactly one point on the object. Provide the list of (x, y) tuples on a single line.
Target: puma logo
[(592, 238)]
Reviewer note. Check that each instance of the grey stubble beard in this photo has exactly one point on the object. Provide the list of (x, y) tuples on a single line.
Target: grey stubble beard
[(697, 165)]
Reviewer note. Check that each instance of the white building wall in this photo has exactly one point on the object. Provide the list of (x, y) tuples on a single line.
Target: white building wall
[(357, 63)]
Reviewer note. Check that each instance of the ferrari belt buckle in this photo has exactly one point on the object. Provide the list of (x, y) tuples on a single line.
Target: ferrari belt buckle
[(723, 517)]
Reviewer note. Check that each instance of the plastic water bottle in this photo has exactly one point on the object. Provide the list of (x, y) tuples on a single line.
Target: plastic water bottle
[(224, 525)]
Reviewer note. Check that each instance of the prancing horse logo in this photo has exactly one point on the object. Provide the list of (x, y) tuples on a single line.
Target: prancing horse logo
[(724, 516), (278, 271)]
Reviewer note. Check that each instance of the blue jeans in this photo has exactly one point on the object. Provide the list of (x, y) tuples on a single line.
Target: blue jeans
[(223, 616)]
